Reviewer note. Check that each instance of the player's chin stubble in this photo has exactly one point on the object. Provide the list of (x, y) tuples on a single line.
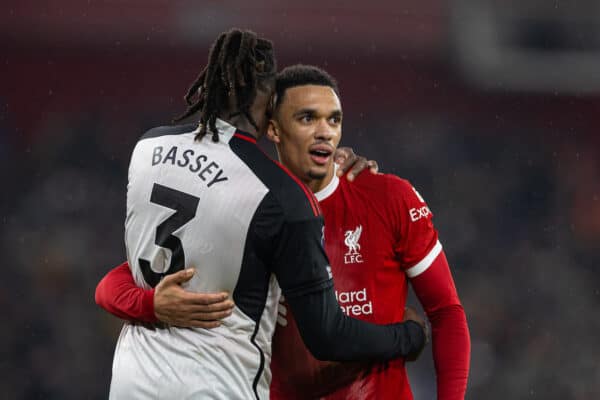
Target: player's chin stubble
[(317, 175)]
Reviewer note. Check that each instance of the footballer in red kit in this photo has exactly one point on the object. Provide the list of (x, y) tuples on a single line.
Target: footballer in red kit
[(379, 237), (378, 234)]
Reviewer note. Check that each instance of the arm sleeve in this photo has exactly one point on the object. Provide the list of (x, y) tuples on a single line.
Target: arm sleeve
[(302, 270), (416, 237), (424, 262), (118, 294), (331, 335), (450, 333)]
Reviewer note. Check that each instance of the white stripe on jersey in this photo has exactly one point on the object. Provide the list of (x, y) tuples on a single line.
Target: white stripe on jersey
[(265, 336), (426, 262)]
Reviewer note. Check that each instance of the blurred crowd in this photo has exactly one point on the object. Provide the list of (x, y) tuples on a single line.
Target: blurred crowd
[(518, 215)]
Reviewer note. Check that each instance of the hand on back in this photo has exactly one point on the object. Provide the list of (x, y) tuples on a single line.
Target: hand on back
[(177, 307)]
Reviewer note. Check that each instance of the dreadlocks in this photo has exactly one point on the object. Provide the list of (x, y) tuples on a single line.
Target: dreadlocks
[(239, 62)]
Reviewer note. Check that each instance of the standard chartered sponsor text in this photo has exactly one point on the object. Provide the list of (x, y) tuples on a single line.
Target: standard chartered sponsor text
[(355, 303)]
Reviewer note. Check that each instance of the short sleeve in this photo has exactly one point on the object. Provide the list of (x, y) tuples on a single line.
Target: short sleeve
[(417, 243)]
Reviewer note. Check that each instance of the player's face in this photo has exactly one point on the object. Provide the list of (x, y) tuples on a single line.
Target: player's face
[(307, 128)]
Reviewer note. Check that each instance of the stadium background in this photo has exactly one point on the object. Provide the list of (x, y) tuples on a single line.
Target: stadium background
[(489, 108)]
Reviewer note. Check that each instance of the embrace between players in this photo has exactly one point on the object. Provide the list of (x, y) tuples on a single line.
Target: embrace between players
[(223, 330)]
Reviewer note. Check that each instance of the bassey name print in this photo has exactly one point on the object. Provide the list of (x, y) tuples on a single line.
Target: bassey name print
[(186, 158)]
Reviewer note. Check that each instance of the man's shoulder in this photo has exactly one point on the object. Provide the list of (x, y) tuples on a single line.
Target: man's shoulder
[(293, 197), (169, 130), (383, 184)]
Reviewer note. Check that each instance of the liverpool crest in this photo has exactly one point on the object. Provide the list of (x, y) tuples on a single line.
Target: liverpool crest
[(351, 238)]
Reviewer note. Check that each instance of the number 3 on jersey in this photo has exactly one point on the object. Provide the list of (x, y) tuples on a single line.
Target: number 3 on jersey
[(185, 206)]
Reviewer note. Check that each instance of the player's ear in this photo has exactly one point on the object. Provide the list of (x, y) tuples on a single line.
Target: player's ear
[(273, 131)]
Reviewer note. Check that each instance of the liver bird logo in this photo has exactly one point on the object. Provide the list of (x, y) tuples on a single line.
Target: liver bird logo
[(351, 240)]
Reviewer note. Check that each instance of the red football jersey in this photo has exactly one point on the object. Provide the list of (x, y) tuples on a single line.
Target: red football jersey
[(378, 233)]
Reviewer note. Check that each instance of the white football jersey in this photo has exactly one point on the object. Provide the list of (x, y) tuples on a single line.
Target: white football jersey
[(229, 211)]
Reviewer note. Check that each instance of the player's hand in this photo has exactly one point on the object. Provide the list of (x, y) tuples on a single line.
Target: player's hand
[(410, 314), (349, 161), (178, 307)]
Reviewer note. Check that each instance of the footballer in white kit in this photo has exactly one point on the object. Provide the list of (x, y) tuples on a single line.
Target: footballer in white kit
[(182, 210)]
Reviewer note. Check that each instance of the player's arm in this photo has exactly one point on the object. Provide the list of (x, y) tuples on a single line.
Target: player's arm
[(301, 267), (427, 268), (118, 294), (331, 335), (450, 333), (317, 379)]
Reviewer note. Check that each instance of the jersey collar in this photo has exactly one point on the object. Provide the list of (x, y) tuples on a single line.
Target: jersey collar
[(226, 130), (331, 186)]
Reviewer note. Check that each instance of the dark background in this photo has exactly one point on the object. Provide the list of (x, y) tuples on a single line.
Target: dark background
[(489, 108)]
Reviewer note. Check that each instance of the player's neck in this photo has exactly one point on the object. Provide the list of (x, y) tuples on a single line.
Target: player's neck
[(316, 185), (241, 123), (242, 120)]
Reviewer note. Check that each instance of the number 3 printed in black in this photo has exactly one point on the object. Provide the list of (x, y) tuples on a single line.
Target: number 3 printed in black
[(185, 206)]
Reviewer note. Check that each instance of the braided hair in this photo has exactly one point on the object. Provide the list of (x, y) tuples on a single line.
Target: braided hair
[(239, 62)]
